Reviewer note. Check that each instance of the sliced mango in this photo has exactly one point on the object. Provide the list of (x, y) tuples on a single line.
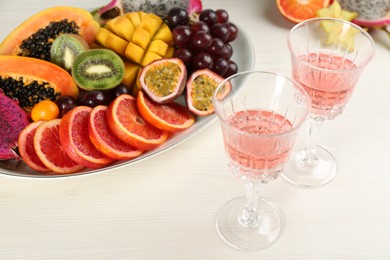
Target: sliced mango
[(164, 34), (121, 26), (134, 18), (159, 47), (141, 37), (134, 53), (170, 52), (111, 41), (149, 57), (131, 72), (151, 23)]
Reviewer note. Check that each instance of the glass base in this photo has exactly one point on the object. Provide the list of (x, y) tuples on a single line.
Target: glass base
[(260, 234), (311, 172)]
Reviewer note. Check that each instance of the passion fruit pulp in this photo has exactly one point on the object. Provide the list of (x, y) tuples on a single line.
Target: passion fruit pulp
[(164, 80), (200, 91)]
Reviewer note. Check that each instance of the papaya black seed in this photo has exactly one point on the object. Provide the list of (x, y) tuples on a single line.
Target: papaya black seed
[(28, 93), (38, 44)]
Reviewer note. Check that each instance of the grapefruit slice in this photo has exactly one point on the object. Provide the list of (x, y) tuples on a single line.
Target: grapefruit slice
[(126, 122), (297, 10), (27, 150), (74, 138), (105, 140), (50, 151), (171, 117)]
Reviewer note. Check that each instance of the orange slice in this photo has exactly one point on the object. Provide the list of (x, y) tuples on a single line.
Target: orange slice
[(50, 151), (74, 137), (299, 10), (171, 117), (27, 150), (105, 140), (126, 122)]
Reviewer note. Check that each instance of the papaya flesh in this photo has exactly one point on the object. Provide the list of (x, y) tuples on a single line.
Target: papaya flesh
[(31, 80), (43, 27)]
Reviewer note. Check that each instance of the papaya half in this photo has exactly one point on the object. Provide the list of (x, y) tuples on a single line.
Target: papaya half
[(31, 80), (34, 37)]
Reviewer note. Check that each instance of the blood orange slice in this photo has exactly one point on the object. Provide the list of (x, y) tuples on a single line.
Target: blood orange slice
[(27, 150), (74, 137), (297, 10), (105, 140), (126, 122), (171, 117), (50, 151)]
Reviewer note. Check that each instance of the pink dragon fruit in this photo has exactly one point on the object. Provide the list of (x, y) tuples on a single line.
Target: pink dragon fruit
[(12, 120), (158, 7), (371, 13)]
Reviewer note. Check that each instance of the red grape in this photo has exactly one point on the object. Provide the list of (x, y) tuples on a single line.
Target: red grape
[(217, 47), (177, 16), (220, 66), (208, 16), (181, 35), (201, 40), (221, 31), (205, 42), (228, 52), (185, 55), (202, 60), (232, 69), (199, 26), (222, 15), (233, 31)]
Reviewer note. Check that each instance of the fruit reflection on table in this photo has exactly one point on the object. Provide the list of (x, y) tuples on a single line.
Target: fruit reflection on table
[(103, 60)]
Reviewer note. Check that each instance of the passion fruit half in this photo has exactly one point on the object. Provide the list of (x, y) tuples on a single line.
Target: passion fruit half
[(164, 80), (201, 87)]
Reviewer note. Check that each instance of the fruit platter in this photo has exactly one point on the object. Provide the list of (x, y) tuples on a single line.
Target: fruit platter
[(84, 91)]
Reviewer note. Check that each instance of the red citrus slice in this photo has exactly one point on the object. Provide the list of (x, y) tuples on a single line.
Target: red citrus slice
[(27, 150), (171, 117), (126, 122), (49, 149), (74, 137), (297, 10), (105, 140)]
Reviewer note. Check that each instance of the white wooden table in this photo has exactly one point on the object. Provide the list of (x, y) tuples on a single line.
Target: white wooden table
[(164, 207)]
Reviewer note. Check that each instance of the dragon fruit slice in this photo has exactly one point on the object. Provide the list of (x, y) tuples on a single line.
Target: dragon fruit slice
[(371, 13), (12, 120), (158, 7)]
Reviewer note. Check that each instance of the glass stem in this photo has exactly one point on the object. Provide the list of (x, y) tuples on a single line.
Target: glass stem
[(311, 141), (250, 215)]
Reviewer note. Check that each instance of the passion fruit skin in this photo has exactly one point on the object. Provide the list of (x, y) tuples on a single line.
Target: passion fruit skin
[(164, 80), (200, 90)]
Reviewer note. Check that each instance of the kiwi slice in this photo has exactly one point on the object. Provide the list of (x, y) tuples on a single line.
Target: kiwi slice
[(98, 69), (65, 48)]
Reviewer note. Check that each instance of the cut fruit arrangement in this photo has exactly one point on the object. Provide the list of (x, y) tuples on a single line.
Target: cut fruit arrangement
[(370, 14), (104, 86)]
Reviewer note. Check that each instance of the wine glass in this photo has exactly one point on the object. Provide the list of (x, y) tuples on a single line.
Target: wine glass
[(328, 56), (260, 114)]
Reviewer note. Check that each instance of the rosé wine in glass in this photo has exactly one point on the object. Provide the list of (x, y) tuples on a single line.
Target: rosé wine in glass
[(329, 89), (328, 56), (249, 153), (260, 114)]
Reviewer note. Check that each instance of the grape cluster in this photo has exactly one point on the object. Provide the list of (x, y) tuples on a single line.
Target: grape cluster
[(205, 42), (91, 98)]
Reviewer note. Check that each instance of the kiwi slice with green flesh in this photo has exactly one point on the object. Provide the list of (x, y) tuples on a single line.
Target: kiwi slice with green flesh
[(65, 48), (98, 69)]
